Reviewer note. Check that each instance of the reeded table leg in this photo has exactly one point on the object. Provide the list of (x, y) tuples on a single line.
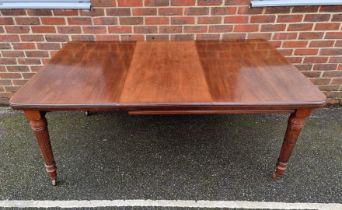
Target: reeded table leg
[(39, 126), (295, 125)]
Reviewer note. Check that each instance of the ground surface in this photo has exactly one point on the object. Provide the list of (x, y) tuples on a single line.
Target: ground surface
[(116, 156)]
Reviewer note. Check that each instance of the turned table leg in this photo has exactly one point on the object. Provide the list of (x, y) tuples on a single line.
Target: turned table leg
[(295, 125), (39, 126)]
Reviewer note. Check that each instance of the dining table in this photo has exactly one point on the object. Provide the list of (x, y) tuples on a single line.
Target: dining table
[(169, 78)]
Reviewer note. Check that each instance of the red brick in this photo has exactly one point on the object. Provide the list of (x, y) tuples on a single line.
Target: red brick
[(337, 17), (130, 3), (246, 28), (131, 20), (170, 11), (32, 38), (289, 18), (223, 10), (94, 12), (105, 37), (237, 2), (20, 82), (17, 29), (82, 38), (94, 29), (9, 38), (52, 21), (157, 37), (333, 35), (157, 20), (13, 12), (79, 21), (69, 29), (220, 28), (285, 36), (195, 29), (273, 27), (6, 21), (207, 36), (236, 19), (304, 67), (249, 11), (331, 51), (182, 37), (105, 21), (197, 11), (266, 36), (28, 75), (335, 8), (335, 60), (5, 82), (18, 68), (300, 27), (329, 87), (8, 61), (294, 60), (145, 29), (315, 59), (39, 12), (311, 35), (170, 29), (325, 66), (156, 3), (305, 9), (338, 43), (209, 2), (320, 81), (35, 68), (29, 61), (277, 10), (316, 17), (118, 11), (332, 74), (43, 29), (144, 11), (10, 75), (68, 12), (48, 46), (327, 26), (132, 37), (209, 20), (182, 20), (306, 52), (104, 3), (295, 44), (36, 54), (183, 3), (263, 19), (321, 43), (5, 45), (337, 81), (57, 38), (27, 20), (13, 53), (120, 29)]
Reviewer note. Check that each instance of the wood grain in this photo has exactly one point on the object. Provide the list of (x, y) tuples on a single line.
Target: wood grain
[(144, 75)]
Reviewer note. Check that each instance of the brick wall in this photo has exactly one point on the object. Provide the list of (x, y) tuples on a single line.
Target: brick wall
[(310, 37)]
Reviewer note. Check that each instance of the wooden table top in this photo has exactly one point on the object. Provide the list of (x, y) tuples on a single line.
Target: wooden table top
[(124, 75)]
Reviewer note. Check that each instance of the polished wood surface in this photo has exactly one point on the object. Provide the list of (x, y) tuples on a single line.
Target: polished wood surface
[(189, 77), (153, 75)]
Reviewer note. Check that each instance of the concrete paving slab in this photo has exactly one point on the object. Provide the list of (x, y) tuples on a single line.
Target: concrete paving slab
[(116, 156)]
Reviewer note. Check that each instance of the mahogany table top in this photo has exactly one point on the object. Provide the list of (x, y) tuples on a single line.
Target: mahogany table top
[(125, 75)]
